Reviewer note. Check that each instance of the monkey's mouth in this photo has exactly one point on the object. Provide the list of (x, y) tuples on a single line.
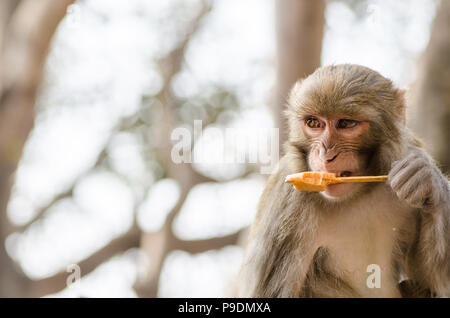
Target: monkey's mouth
[(344, 174), (341, 189)]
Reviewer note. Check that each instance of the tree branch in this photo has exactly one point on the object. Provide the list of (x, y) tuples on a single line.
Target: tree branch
[(57, 282), (200, 246), (62, 195)]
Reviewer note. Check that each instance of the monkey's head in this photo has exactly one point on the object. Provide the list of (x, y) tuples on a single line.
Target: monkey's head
[(346, 119)]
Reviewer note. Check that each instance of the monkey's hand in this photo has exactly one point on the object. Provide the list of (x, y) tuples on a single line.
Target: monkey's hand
[(416, 180)]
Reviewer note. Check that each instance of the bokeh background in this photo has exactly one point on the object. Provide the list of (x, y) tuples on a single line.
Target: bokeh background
[(90, 91)]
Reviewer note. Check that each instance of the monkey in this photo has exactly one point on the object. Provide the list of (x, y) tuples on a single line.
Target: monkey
[(350, 120)]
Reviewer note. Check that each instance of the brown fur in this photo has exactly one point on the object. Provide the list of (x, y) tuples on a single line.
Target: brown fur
[(303, 245)]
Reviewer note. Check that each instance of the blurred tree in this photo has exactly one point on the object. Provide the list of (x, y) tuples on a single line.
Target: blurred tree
[(20, 88), (299, 31), (430, 94), (26, 29), (157, 245)]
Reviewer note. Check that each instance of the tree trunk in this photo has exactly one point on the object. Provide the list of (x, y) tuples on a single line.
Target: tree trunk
[(299, 29), (26, 30), (430, 94)]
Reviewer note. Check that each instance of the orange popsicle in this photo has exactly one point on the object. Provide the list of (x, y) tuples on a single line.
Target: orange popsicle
[(317, 181)]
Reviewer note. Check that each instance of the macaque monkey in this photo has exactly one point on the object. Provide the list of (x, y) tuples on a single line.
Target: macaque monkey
[(350, 120)]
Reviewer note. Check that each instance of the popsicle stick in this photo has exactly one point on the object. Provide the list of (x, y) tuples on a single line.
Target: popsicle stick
[(361, 179)]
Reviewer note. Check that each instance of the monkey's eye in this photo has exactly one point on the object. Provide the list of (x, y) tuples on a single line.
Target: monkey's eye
[(346, 123), (313, 122)]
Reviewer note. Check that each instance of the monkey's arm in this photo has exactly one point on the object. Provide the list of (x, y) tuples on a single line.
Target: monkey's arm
[(281, 235), (418, 181)]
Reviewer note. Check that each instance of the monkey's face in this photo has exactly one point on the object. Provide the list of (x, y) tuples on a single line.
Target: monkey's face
[(335, 146), (343, 118)]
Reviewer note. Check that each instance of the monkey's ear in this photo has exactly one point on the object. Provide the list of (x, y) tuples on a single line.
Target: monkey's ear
[(401, 110)]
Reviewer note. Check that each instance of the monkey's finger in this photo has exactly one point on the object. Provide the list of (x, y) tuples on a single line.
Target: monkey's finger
[(397, 178), (415, 187), (403, 163), (397, 166), (420, 200)]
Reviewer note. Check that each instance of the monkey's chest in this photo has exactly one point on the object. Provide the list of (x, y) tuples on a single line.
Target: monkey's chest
[(360, 250)]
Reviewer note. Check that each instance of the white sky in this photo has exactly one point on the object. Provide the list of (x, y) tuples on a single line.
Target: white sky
[(101, 62)]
